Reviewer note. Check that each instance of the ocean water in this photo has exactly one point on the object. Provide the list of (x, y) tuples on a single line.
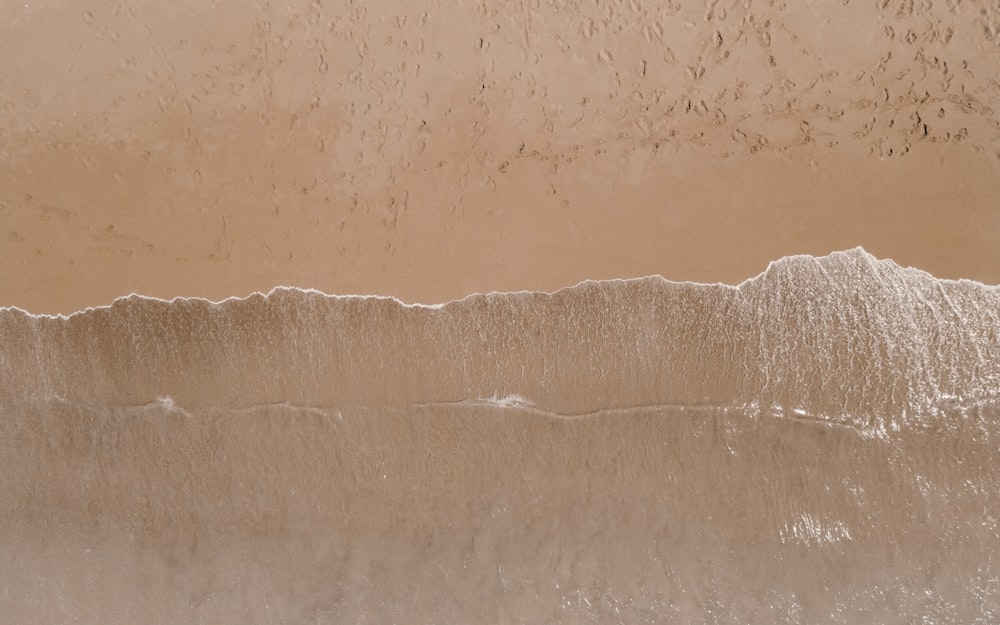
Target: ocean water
[(816, 445)]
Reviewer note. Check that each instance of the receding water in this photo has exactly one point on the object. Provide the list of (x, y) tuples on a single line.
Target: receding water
[(817, 445)]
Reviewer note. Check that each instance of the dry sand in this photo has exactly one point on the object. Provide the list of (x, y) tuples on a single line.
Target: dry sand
[(430, 150), (818, 445)]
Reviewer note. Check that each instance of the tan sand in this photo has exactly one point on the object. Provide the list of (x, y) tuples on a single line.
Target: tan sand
[(817, 445), (428, 151)]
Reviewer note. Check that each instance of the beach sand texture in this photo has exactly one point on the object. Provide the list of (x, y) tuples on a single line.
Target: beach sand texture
[(428, 150), (474, 439)]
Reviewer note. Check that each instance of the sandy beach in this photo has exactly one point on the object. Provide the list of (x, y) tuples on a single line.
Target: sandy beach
[(499, 312), (428, 150)]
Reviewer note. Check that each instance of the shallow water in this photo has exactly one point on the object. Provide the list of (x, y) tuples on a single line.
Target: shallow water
[(817, 445), (459, 513)]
